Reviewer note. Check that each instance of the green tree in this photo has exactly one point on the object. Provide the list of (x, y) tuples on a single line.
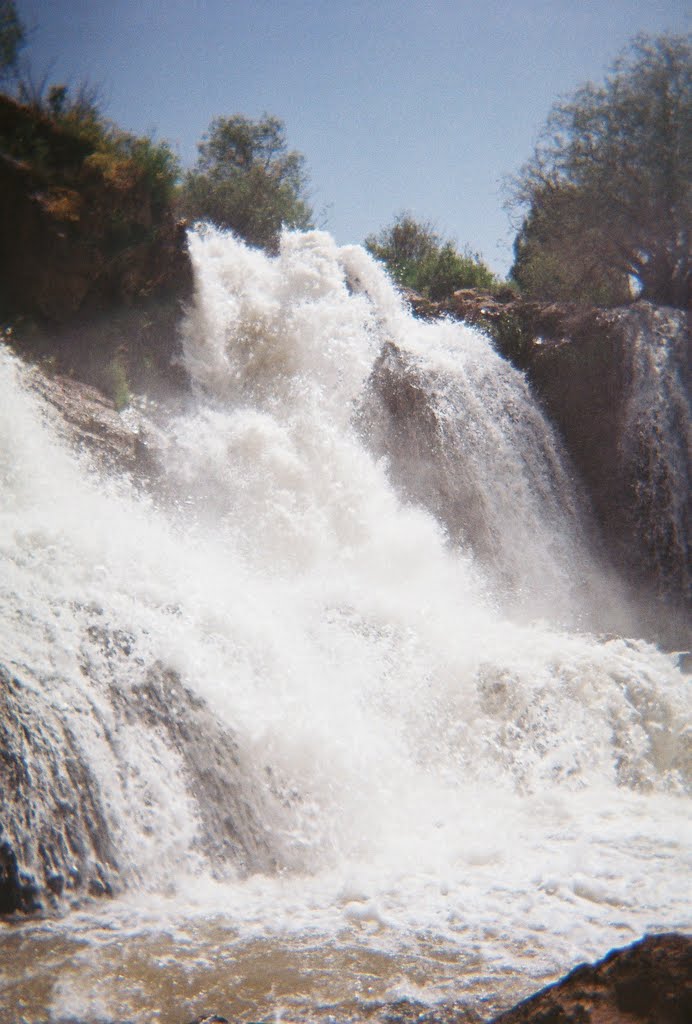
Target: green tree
[(247, 179), (418, 257), (559, 259), (12, 38), (608, 189)]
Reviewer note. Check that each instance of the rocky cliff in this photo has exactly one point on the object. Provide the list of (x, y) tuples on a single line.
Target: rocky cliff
[(616, 384)]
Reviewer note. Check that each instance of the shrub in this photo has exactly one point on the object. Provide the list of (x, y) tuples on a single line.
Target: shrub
[(419, 258)]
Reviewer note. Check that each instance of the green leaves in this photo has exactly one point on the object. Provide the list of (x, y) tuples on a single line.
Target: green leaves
[(12, 38), (419, 258), (608, 186), (247, 180)]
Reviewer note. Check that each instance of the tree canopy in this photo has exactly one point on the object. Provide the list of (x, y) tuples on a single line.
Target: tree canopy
[(608, 189), (12, 37), (247, 179), (418, 257)]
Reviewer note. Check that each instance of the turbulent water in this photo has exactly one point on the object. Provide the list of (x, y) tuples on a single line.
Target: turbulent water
[(344, 741)]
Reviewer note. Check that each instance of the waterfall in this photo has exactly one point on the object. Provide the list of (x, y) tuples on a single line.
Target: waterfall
[(333, 670), (656, 442)]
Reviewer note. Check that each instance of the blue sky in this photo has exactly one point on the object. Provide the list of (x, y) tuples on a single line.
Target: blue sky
[(419, 106)]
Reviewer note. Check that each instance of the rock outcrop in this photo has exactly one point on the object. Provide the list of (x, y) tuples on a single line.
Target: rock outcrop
[(616, 385), (649, 982), (617, 388), (59, 837), (468, 443), (90, 422)]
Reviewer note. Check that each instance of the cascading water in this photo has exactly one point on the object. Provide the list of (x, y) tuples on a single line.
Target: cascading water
[(656, 442), (321, 750)]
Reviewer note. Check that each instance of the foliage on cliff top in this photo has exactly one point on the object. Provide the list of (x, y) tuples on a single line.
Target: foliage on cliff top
[(608, 190), (247, 179), (418, 257), (63, 137)]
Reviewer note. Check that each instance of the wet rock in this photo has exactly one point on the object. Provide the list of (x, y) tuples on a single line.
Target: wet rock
[(91, 422), (648, 982), (210, 1019), (59, 838), (615, 384), (229, 801), (54, 838), (470, 445)]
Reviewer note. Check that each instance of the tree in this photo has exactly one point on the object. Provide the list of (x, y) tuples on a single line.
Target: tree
[(12, 38), (419, 258), (560, 259), (247, 180), (608, 188)]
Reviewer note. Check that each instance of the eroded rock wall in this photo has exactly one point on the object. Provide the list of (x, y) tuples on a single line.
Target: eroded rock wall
[(616, 385)]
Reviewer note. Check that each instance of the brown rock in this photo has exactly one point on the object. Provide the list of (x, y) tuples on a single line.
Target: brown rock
[(649, 982), (90, 421)]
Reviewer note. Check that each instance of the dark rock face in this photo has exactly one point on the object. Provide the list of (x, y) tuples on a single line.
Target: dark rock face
[(649, 982), (617, 388)]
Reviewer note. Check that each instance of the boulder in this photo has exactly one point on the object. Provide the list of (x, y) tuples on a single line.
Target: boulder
[(648, 982)]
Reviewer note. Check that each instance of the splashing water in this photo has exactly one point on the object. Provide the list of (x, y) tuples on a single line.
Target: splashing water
[(338, 757)]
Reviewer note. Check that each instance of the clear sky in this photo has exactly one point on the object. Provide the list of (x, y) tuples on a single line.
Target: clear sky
[(396, 104)]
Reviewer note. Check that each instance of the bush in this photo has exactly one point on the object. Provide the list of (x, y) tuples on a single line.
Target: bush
[(63, 135), (418, 257), (117, 383)]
